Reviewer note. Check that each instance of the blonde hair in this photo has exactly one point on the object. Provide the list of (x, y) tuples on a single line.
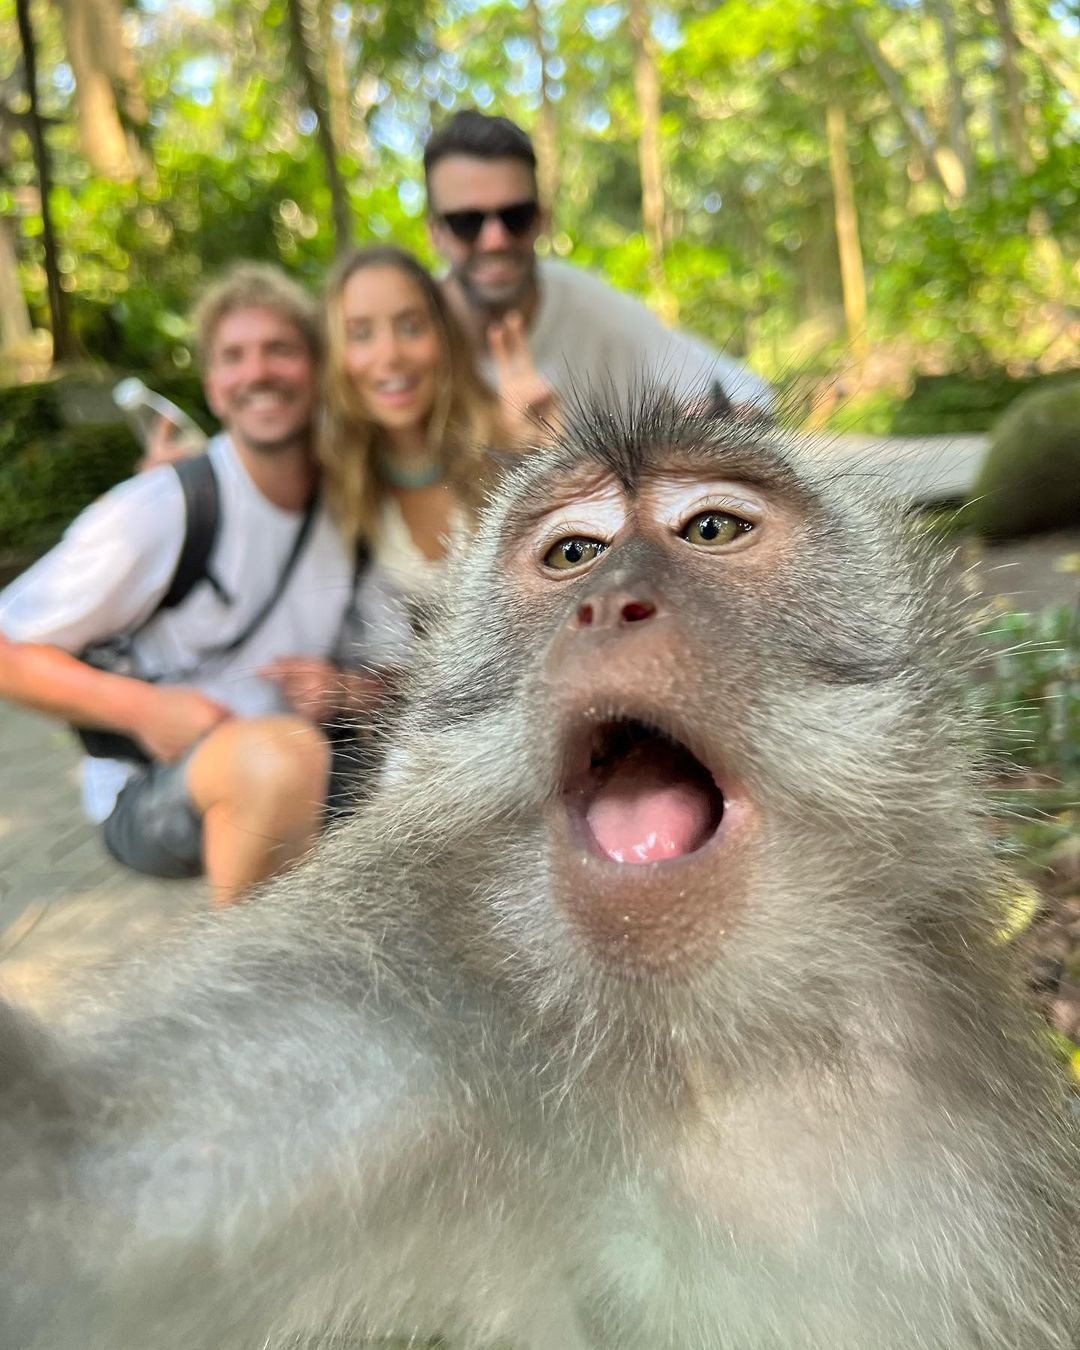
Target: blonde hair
[(463, 419), (252, 285)]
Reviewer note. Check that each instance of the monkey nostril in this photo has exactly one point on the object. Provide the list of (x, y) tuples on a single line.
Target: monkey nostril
[(634, 611), (585, 615)]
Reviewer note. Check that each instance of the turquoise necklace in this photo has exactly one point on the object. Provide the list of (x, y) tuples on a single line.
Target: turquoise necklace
[(395, 474)]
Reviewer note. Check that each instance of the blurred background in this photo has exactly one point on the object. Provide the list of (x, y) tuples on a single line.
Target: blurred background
[(891, 183), (874, 201)]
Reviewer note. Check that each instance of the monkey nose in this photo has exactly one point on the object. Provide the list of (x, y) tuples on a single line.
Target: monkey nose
[(615, 609)]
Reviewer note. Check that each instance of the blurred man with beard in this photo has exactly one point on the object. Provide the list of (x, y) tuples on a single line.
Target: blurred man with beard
[(485, 217), (212, 760)]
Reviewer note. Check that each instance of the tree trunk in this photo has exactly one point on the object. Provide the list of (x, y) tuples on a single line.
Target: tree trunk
[(365, 100), (337, 83), (304, 35), (1053, 62), (61, 333), (650, 158), (120, 60), (88, 40), (852, 274), (16, 330), (546, 145), (941, 161), (958, 110), (1014, 94)]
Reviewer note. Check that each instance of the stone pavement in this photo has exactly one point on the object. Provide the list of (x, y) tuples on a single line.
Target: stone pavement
[(63, 902)]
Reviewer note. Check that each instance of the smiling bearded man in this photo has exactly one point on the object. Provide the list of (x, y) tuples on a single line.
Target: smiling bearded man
[(204, 765)]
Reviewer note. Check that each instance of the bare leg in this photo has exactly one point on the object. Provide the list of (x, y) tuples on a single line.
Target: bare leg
[(260, 785)]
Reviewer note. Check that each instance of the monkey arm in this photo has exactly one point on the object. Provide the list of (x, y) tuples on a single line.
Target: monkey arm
[(158, 1168)]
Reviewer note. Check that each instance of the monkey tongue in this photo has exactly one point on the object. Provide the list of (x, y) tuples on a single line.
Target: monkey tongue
[(651, 807)]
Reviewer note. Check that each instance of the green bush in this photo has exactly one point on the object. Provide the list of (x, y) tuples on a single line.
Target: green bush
[(1030, 479), (958, 402), (50, 468), (27, 411), (46, 482)]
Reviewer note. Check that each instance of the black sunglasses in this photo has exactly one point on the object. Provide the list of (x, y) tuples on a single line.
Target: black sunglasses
[(518, 218)]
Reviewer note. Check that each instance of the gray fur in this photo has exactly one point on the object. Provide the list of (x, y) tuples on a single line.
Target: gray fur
[(397, 1095)]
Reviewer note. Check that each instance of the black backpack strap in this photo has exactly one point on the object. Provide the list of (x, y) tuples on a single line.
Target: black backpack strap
[(202, 513), (288, 567), (361, 558)]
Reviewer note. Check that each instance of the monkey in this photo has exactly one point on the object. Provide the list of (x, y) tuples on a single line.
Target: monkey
[(650, 1000)]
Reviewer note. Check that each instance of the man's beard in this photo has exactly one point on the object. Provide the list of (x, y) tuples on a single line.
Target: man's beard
[(269, 446), (294, 436), (495, 306), (296, 440)]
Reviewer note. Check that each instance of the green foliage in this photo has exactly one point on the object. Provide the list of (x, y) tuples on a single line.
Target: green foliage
[(1032, 693), (50, 469), (988, 280), (1030, 479), (48, 480), (27, 412), (1030, 701), (231, 165)]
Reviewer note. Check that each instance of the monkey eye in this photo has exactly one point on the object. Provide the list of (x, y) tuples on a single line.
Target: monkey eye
[(573, 551), (711, 528)]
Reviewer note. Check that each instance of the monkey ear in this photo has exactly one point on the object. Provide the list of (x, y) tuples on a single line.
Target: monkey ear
[(717, 404)]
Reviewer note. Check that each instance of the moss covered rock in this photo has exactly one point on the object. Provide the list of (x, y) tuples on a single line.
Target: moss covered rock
[(1030, 479)]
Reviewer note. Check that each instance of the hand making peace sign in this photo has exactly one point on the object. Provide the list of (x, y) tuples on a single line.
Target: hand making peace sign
[(530, 406)]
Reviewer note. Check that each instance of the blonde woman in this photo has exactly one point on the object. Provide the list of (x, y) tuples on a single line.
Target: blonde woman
[(402, 435), (406, 415)]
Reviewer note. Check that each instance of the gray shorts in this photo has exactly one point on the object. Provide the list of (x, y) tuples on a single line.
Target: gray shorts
[(155, 827)]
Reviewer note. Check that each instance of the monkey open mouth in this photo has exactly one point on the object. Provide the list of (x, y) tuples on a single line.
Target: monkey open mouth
[(642, 796)]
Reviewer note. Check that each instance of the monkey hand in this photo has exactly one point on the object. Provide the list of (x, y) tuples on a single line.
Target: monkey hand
[(169, 720), (530, 406)]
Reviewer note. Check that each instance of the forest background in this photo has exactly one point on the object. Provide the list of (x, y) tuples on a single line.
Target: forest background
[(886, 187)]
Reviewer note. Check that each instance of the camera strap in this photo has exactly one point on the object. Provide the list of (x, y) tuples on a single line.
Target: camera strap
[(288, 567)]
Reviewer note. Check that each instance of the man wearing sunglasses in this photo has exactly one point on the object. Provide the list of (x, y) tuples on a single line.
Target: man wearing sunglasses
[(485, 216)]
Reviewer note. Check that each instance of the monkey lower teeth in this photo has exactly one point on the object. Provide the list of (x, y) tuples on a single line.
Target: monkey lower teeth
[(653, 803)]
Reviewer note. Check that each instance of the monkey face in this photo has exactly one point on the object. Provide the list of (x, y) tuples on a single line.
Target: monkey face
[(677, 669), (652, 827)]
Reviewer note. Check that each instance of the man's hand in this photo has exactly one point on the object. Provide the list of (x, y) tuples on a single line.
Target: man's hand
[(169, 720), (528, 400)]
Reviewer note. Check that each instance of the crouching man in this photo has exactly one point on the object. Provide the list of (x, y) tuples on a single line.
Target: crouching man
[(197, 759)]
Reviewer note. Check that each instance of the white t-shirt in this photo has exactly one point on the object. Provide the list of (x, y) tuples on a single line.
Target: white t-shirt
[(117, 560), (586, 335), (400, 584)]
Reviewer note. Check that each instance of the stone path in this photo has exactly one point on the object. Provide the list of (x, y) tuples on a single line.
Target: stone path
[(63, 902)]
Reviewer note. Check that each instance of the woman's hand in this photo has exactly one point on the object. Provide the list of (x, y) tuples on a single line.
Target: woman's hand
[(166, 446), (530, 406), (310, 686), (319, 691)]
